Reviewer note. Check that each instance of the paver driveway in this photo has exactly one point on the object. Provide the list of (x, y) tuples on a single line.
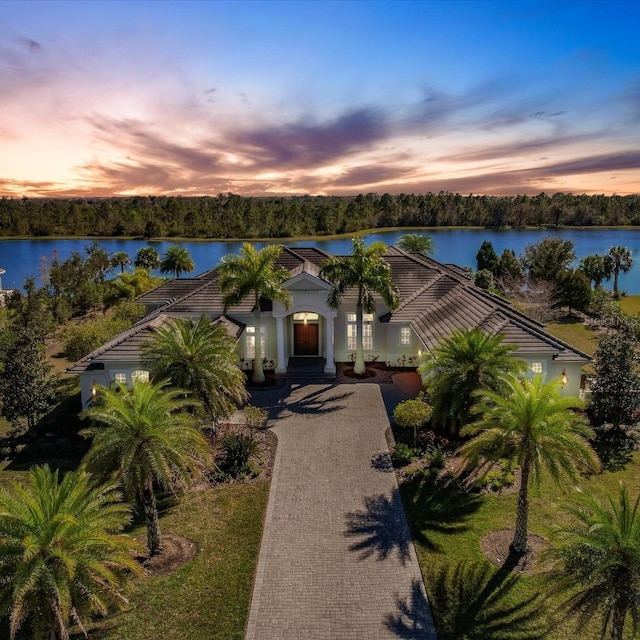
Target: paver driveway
[(337, 560)]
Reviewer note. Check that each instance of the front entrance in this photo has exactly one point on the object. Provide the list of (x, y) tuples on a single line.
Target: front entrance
[(305, 339)]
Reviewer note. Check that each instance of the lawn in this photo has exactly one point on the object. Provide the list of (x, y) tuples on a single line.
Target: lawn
[(630, 304), (576, 333), (209, 598), (447, 528)]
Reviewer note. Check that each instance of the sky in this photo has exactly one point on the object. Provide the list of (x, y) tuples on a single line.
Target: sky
[(318, 97)]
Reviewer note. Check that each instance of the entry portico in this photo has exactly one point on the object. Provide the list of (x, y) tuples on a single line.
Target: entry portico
[(306, 328)]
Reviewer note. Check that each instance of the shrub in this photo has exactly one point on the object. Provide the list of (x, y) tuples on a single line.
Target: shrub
[(254, 417), (413, 414), (497, 478), (437, 458), (429, 442), (237, 449), (403, 454), (128, 311), (81, 339)]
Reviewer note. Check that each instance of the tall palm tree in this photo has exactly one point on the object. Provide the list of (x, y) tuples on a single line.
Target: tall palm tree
[(417, 243), (254, 274), (461, 365), (201, 357), (147, 439), (177, 260), (621, 261), (63, 557), (367, 271), (534, 427), (597, 562), (120, 259), (147, 258)]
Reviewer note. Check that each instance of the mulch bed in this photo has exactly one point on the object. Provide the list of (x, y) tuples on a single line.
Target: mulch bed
[(267, 445), (176, 552), (375, 373), (496, 548)]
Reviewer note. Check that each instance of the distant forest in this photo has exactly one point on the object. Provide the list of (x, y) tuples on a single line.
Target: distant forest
[(233, 216)]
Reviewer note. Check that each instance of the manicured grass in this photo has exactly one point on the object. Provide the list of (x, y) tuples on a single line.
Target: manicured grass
[(447, 528), (576, 334), (209, 598), (630, 304)]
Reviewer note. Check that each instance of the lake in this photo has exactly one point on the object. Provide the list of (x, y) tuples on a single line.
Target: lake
[(22, 258)]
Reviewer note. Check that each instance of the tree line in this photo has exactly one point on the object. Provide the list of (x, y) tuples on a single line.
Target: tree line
[(233, 216)]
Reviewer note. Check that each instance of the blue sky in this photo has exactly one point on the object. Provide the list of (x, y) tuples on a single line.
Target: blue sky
[(117, 98)]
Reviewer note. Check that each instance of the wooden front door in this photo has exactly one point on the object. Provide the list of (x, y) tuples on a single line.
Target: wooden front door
[(305, 339)]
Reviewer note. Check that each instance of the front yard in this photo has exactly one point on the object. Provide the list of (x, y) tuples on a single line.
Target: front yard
[(468, 594)]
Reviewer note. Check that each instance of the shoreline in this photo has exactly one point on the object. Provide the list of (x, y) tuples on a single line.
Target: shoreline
[(336, 236)]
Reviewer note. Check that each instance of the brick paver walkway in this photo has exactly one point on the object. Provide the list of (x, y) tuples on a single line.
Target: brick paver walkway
[(337, 561)]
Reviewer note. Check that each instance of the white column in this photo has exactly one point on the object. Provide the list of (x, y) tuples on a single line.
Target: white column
[(281, 365), (330, 365)]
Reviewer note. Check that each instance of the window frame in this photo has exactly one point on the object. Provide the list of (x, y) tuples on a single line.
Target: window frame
[(368, 320), (250, 349)]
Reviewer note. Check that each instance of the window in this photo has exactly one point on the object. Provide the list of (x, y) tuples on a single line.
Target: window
[(305, 316), (250, 342), (405, 336), (536, 367), (120, 378), (352, 331), (140, 376)]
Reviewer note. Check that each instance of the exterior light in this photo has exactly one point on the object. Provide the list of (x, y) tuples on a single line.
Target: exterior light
[(563, 378)]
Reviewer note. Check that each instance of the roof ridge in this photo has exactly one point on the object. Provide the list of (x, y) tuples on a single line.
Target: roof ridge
[(174, 301), (495, 312), (547, 337), (504, 304), (428, 261), (424, 288)]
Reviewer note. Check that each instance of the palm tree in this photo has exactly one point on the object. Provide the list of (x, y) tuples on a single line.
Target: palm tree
[(597, 562), (367, 271), (621, 260), (147, 440), (63, 557), (534, 427), (417, 243), (254, 274), (462, 364), (147, 258), (201, 357), (176, 260), (120, 259), (127, 286)]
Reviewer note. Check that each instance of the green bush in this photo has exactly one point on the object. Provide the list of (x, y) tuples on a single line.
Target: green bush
[(403, 454), (437, 458), (497, 478), (81, 339), (237, 450)]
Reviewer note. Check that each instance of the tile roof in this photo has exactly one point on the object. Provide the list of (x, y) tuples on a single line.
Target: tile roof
[(126, 345), (435, 299)]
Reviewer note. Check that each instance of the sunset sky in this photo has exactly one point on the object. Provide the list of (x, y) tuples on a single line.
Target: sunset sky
[(320, 97)]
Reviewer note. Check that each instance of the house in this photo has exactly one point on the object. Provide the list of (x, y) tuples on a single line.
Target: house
[(435, 300)]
